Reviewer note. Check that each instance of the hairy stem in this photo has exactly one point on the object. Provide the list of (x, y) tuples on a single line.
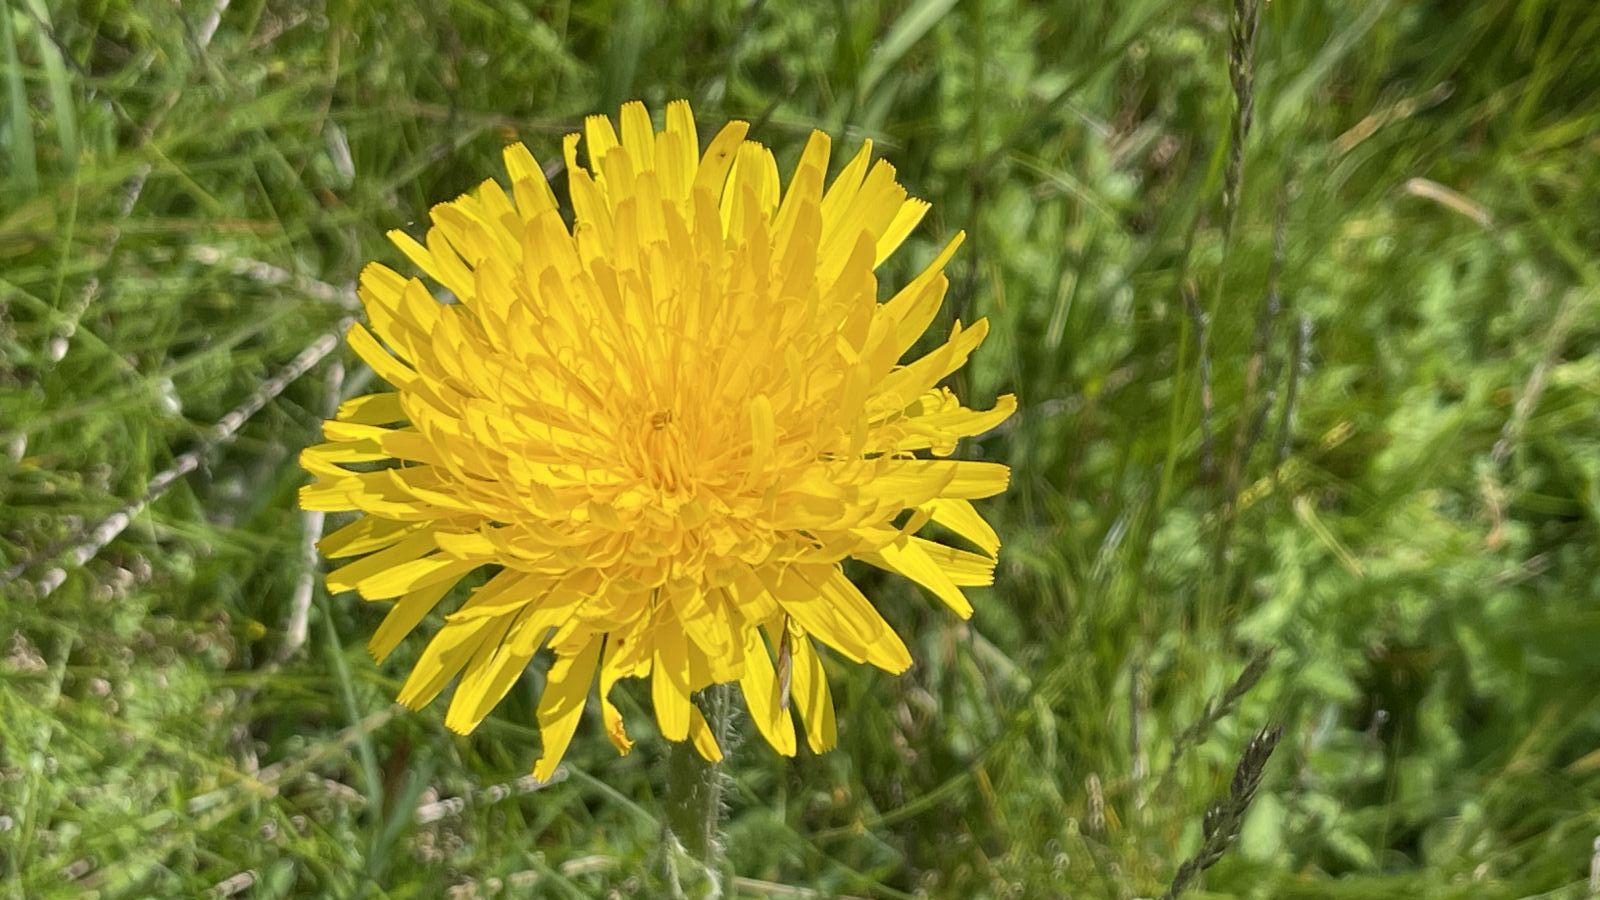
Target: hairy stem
[(694, 787)]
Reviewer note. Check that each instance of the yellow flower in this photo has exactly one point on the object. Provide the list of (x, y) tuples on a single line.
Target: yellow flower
[(664, 428)]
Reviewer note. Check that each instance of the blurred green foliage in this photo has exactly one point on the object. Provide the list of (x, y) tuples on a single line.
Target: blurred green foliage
[(1357, 428)]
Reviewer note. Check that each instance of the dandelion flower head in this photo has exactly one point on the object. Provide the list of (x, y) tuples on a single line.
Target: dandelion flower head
[(659, 431)]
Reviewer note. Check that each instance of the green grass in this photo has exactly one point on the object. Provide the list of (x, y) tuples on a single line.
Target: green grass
[(1381, 462)]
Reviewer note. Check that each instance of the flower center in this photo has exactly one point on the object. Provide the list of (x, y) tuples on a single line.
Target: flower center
[(662, 460)]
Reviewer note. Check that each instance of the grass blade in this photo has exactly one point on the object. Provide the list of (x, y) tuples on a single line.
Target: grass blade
[(19, 124)]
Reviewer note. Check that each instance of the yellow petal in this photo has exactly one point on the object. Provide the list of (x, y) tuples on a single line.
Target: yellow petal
[(804, 192), (445, 655), (845, 186), (638, 135), (372, 409), (940, 430), (906, 218), (669, 681), (489, 677), (912, 309), (403, 617), (718, 159), (416, 574), (763, 433), (467, 545), (528, 186), (827, 605), (902, 386), (626, 656), (382, 363), (326, 461), (963, 568), (601, 137), (507, 593), (402, 312), (916, 481), (399, 443), (364, 535), (960, 516), (907, 557), (410, 548), (710, 628), (761, 695), (561, 706), (811, 694)]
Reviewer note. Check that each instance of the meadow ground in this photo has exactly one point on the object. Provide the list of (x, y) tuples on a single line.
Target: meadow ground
[(1301, 316)]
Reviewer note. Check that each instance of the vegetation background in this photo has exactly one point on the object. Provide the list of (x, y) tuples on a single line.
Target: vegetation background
[(1300, 301)]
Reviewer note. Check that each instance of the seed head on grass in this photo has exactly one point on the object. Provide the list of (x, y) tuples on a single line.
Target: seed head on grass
[(664, 428), (1225, 816), (1218, 708)]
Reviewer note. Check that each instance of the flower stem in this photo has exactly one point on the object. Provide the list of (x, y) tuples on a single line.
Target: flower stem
[(694, 787)]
